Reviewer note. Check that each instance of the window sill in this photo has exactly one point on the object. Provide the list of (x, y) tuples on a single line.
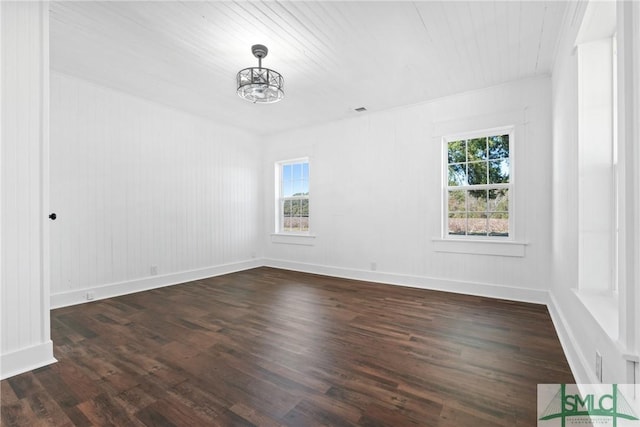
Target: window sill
[(480, 247), (603, 306), (293, 239)]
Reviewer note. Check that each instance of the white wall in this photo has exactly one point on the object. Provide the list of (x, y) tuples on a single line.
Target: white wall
[(581, 334), (25, 340), (376, 185), (135, 185), (628, 72)]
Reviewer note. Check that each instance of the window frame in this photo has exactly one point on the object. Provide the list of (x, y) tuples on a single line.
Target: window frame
[(280, 198), (510, 186)]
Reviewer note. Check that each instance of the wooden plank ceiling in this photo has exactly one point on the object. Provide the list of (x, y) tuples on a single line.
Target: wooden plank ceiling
[(335, 56)]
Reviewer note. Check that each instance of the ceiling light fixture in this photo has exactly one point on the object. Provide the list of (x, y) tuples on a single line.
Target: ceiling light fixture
[(260, 85)]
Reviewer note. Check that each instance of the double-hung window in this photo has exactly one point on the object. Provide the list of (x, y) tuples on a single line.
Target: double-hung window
[(292, 186), (479, 185)]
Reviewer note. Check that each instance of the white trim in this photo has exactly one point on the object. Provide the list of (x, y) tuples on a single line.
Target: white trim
[(627, 355), (577, 362), (280, 199), (45, 178), (633, 304), (603, 307), (480, 133), (568, 342), (293, 239), (496, 247), (26, 359), (78, 296), (292, 161), (1, 175), (510, 186), (490, 290), (17, 361)]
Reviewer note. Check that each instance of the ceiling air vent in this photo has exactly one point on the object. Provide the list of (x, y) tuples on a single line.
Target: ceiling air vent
[(360, 109)]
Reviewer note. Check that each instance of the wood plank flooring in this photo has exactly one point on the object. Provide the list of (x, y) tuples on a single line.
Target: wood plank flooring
[(268, 347)]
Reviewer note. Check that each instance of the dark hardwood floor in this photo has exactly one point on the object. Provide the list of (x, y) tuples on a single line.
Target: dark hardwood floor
[(269, 347)]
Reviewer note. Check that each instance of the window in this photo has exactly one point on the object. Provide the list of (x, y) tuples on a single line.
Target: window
[(597, 166), (292, 189), (600, 220), (478, 189)]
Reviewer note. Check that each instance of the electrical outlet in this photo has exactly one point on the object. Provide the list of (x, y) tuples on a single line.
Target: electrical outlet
[(90, 296), (374, 266), (599, 366), (154, 270)]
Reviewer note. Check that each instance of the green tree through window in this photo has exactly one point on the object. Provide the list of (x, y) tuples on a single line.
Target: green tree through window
[(478, 186)]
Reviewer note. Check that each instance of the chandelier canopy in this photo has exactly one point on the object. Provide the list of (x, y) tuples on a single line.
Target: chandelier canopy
[(258, 84)]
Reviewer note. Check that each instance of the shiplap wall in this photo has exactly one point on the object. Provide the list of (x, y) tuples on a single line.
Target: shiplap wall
[(136, 184), (581, 334), (25, 340), (376, 189)]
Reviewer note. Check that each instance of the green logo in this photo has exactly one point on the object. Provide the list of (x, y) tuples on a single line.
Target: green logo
[(603, 407)]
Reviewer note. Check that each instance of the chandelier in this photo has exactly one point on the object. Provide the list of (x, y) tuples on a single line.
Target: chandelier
[(260, 85)]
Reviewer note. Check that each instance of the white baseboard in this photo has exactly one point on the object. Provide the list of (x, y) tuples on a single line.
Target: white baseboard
[(577, 362), (26, 359), (460, 287), (79, 296)]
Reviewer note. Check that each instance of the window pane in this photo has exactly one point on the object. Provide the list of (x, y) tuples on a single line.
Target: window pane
[(499, 171), (287, 172), (304, 219), (457, 202), (300, 207), (478, 167), (499, 224), (498, 200), (477, 224), (457, 224), (288, 219), (298, 187), (477, 200), (457, 151), (291, 224), (477, 173), (457, 174), (477, 149), (295, 207), (498, 146), (294, 212), (287, 188), (286, 208)]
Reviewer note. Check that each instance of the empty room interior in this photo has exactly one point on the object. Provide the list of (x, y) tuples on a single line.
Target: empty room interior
[(284, 213)]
